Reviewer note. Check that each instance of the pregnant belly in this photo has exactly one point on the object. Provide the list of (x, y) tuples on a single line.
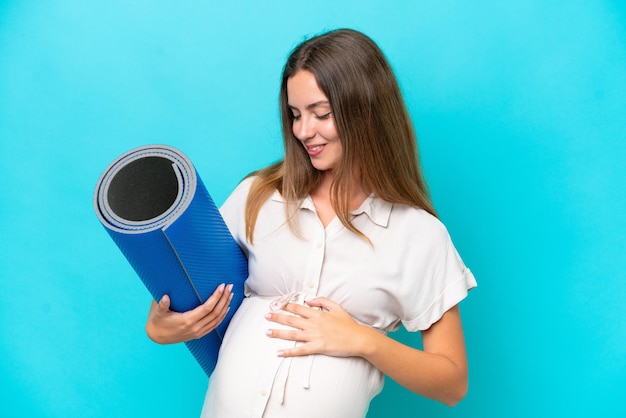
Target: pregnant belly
[(251, 380)]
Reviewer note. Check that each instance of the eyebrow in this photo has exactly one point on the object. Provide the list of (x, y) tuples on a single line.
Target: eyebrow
[(312, 105)]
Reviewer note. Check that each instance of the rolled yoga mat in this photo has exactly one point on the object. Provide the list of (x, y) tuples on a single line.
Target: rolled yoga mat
[(154, 205)]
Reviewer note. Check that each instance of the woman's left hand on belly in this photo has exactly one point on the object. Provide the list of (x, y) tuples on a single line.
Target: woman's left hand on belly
[(323, 327)]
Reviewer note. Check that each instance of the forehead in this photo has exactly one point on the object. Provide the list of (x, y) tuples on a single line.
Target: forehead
[(303, 90)]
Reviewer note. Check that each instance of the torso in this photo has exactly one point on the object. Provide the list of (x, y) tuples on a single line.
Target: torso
[(375, 282)]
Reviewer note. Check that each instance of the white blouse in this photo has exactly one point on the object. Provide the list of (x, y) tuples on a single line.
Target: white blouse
[(410, 274)]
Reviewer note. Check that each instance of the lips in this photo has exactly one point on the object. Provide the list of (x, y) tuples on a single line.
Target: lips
[(314, 150)]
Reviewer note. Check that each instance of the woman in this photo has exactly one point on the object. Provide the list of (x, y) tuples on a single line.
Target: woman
[(343, 245)]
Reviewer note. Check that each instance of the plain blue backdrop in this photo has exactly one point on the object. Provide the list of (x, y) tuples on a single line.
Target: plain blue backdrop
[(520, 110)]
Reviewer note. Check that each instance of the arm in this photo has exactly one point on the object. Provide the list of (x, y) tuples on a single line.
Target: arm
[(438, 372), (167, 327)]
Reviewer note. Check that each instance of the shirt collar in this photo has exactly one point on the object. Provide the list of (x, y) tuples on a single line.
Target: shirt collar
[(376, 209)]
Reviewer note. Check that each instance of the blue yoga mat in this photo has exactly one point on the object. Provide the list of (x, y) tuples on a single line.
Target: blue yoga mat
[(154, 205)]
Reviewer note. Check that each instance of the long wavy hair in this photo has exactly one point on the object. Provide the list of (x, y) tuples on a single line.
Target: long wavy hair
[(372, 122)]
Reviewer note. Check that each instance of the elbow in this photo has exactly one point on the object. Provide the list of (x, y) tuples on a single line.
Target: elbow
[(456, 394), (457, 387), (449, 393), (453, 400)]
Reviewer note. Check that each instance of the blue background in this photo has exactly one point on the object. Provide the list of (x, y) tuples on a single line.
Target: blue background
[(519, 108)]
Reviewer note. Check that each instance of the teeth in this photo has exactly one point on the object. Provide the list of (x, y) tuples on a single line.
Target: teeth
[(315, 148)]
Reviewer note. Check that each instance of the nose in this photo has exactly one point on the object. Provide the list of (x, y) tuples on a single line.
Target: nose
[(304, 128)]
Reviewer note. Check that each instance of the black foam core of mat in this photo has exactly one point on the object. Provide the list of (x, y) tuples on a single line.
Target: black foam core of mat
[(143, 189)]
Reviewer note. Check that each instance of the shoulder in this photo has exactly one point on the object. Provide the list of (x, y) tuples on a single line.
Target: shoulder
[(233, 209), (418, 231), (415, 220)]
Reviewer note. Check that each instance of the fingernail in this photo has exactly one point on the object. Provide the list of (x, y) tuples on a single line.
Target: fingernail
[(230, 287), (280, 353), (268, 332), (268, 315), (221, 287)]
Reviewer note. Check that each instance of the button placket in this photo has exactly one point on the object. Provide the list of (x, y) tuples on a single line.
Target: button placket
[(314, 267)]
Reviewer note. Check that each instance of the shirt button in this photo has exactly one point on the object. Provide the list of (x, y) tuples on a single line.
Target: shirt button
[(263, 392), (320, 245), (311, 285)]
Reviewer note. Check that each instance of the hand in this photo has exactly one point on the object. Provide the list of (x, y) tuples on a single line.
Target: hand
[(167, 327), (329, 330)]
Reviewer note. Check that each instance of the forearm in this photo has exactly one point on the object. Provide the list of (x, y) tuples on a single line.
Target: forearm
[(434, 376)]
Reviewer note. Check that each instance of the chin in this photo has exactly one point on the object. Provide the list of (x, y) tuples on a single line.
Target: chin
[(323, 169), (323, 166)]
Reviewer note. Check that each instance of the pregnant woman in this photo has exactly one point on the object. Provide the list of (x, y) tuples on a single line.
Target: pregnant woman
[(343, 245)]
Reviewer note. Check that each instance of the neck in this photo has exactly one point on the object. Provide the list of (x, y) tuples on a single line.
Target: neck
[(322, 191)]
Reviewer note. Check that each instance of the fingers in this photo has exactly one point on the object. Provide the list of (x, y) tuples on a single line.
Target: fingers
[(286, 334), (322, 326), (164, 303), (299, 320), (302, 310), (321, 302), (221, 294), (212, 312), (224, 296), (167, 326), (212, 322), (308, 344), (218, 301), (302, 350)]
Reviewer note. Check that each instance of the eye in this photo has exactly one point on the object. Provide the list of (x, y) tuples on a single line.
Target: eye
[(295, 117), (325, 116)]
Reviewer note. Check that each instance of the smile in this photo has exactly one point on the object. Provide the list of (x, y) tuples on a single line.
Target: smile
[(315, 150)]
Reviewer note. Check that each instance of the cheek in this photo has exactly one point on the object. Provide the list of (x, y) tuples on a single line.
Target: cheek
[(330, 132)]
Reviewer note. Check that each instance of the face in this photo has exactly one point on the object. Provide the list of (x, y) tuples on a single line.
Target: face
[(313, 122)]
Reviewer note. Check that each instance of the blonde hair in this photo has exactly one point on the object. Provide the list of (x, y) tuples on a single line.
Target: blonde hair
[(372, 122)]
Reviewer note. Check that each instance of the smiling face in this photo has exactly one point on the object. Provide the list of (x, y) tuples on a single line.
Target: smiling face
[(313, 122)]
